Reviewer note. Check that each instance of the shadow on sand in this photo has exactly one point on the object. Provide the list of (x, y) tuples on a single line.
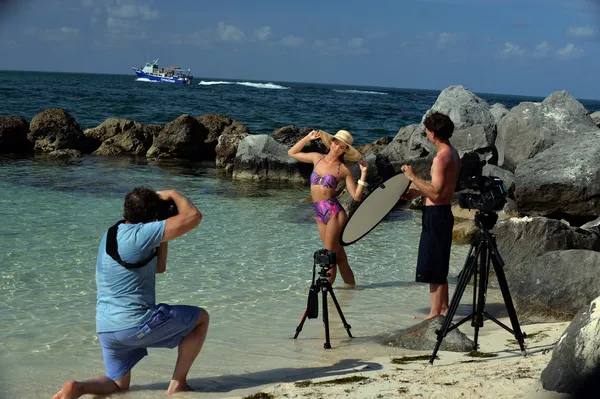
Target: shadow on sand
[(227, 383)]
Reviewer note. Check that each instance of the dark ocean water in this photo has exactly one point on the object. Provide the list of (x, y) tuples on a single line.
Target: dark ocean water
[(368, 112)]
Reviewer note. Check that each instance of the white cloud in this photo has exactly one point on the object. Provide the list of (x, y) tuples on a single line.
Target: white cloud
[(125, 29), (262, 33), (581, 32), (229, 33), (356, 43), (130, 9), (569, 51), (292, 41), (446, 39), (87, 3), (542, 50), (59, 34), (512, 50)]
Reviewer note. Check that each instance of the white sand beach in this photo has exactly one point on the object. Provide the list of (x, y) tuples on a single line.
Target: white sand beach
[(453, 375)]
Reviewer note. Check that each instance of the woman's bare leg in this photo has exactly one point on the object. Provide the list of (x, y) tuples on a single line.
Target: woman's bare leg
[(332, 242)]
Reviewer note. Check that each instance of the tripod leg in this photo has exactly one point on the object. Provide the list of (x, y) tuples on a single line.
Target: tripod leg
[(484, 267), (512, 313), (339, 309), (327, 344), (467, 272), (299, 328)]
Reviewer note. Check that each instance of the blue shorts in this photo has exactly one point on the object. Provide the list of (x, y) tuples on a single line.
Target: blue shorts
[(165, 329)]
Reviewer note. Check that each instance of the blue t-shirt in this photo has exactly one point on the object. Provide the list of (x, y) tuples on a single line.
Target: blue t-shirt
[(126, 297)]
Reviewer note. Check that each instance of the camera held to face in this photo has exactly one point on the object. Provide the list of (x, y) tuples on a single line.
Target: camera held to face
[(492, 195), (166, 209)]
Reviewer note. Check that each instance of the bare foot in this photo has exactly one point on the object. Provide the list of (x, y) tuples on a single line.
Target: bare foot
[(70, 390), (176, 386)]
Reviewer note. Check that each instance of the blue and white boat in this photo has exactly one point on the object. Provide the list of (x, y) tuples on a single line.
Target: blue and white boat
[(152, 73)]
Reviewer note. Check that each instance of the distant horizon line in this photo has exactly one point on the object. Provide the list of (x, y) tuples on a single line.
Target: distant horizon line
[(311, 83)]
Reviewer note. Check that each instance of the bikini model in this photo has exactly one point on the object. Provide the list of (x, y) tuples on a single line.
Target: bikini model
[(329, 207)]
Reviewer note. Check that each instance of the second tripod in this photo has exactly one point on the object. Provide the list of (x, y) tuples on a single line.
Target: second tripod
[(482, 253), (326, 260)]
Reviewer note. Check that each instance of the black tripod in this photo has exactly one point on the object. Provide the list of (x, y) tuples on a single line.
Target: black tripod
[(485, 249), (325, 259)]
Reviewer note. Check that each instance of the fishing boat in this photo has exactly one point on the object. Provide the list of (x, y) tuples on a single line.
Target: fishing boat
[(151, 72)]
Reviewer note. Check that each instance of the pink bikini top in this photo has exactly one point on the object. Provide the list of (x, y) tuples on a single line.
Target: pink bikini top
[(329, 181)]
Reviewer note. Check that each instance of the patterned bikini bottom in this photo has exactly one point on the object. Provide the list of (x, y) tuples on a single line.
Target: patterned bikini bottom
[(326, 209)]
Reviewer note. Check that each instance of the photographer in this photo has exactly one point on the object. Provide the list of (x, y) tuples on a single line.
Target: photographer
[(128, 320), (437, 220)]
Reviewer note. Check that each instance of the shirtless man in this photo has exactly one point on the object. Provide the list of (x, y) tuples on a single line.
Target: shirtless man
[(437, 221)]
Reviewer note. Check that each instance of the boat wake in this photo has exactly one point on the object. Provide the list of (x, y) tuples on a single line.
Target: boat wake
[(360, 92), (248, 84), (147, 80)]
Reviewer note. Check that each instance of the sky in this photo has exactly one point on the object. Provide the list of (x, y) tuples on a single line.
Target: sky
[(521, 47)]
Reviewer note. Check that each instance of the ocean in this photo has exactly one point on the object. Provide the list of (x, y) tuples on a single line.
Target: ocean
[(249, 263)]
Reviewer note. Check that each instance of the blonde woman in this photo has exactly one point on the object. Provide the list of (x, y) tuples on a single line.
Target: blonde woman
[(329, 170)]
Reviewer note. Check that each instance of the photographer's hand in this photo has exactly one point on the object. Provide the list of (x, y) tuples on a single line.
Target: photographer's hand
[(187, 218)]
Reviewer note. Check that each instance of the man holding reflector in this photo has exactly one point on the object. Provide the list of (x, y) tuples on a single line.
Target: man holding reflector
[(437, 219)]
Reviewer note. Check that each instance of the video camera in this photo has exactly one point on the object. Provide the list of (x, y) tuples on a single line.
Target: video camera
[(166, 209), (325, 257), (492, 195)]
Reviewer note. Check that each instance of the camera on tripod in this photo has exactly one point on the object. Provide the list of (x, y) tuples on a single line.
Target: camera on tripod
[(492, 195), (325, 257)]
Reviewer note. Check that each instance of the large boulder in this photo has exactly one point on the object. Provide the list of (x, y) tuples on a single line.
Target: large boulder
[(217, 126), (55, 129), (261, 157), (596, 118), (575, 359), (423, 336), (498, 112), (466, 110), (530, 128), (475, 140), (563, 181), (520, 240), (375, 147), (409, 146), (13, 135), (183, 138), (555, 285), (227, 147), (121, 136)]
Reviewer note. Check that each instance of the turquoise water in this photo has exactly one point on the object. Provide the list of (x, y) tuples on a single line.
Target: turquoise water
[(249, 264)]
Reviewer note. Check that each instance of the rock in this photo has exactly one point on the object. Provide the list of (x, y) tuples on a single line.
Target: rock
[(563, 181), (474, 139), (261, 157), (507, 177), (555, 285), (13, 135), (121, 136), (290, 135), (596, 118), (520, 240), (182, 138), (422, 336), (498, 112), (376, 146), (530, 128), (593, 226), (226, 149), (465, 109), (55, 129), (217, 126), (575, 357), (66, 154), (409, 146), (463, 232)]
